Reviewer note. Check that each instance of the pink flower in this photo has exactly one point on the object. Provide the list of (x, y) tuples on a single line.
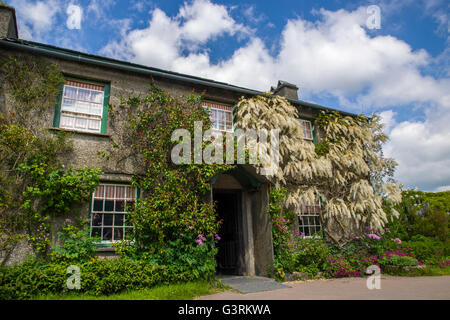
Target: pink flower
[(217, 237), (398, 241), (68, 221), (201, 237), (200, 242), (374, 236)]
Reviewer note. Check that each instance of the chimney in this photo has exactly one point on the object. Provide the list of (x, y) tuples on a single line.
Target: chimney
[(286, 89), (8, 23)]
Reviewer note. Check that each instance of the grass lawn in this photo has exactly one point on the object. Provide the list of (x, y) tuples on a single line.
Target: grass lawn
[(180, 291), (427, 271)]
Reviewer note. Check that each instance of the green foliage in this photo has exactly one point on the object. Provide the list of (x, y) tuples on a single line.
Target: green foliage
[(98, 277), (308, 252), (281, 233), (59, 189), (428, 250), (34, 185), (189, 253), (398, 261), (173, 198), (33, 83), (422, 213), (291, 252), (77, 245)]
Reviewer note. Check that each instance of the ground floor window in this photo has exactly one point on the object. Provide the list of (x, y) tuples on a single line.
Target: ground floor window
[(309, 220), (108, 212)]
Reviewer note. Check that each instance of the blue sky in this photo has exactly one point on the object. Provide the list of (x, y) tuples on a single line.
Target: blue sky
[(327, 48)]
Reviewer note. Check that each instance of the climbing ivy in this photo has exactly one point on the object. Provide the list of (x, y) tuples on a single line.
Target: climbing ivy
[(174, 205), (35, 186)]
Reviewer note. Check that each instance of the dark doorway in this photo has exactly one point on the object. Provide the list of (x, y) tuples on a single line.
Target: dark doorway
[(228, 210)]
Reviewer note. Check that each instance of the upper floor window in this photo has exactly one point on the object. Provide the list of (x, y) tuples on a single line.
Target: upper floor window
[(83, 107), (221, 116), (307, 129)]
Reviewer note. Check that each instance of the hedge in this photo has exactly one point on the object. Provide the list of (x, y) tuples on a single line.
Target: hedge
[(98, 277)]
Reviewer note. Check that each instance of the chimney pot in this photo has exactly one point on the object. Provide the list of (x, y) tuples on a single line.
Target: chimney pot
[(286, 89), (8, 22)]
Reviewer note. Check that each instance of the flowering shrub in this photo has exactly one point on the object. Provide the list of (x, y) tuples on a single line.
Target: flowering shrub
[(77, 245), (398, 260), (339, 266)]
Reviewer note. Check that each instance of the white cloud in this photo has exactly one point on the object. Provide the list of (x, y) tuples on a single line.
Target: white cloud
[(421, 148), (35, 18), (443, 188), (161, 43), (75, 15)]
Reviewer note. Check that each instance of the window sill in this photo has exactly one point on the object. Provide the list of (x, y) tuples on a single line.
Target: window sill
[(97, 134)]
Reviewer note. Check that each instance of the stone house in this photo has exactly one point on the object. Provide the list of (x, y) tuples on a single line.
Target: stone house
[(92, 84)]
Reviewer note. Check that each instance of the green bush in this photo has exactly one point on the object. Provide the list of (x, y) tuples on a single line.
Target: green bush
[(309, 252), (77, 245), (98, 277), (422, 213), (428, 250), (398, 261)]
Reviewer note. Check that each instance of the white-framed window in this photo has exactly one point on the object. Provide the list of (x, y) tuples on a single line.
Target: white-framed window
[(307, 129), (82, 106), (108, 216), (221, 116), (309, 220)]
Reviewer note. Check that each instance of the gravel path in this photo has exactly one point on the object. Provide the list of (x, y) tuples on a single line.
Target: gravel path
[(392, 288)]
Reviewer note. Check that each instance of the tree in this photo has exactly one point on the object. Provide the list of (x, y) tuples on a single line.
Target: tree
[(347, 169)]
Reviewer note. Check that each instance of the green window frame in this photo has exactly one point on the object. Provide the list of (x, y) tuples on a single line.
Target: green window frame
[(104, 111)]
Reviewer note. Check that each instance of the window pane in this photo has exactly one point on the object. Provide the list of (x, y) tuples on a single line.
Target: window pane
[(67, 121), (120, 205), (80, 123), (83, 95), (95, 109), (107, 234), (70, 92), (118, 220), (96, 219), (118, 233), (98, 205), (109, 205), (97, 97), (94, 124), (108, 219), (68, 105)]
